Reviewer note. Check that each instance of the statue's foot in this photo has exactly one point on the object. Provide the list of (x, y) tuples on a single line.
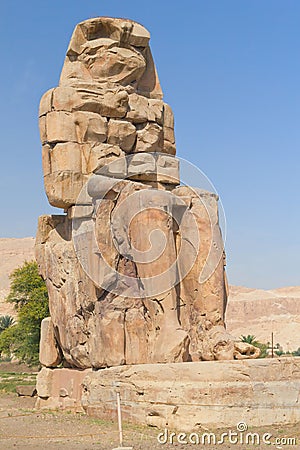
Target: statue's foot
[(243, 350), (224, 346)]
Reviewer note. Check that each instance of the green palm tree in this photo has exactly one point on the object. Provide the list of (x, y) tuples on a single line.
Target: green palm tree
[(250, 339), (6, 322)]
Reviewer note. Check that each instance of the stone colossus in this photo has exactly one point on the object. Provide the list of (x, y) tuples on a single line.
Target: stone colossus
[(135, 266)]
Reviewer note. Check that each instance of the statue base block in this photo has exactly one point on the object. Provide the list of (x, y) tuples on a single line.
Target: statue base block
[(181, 396)]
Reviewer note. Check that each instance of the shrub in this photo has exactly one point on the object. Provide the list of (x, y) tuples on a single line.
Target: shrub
[(6, 322), (29, 294)]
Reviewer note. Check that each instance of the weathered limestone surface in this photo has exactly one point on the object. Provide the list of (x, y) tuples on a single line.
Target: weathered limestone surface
[(50, 354), (26, 390), (60, 388), (108, 94), (135, 268), (188, 396)]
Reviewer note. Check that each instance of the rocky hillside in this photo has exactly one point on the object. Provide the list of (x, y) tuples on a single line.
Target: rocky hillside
[(13, 253), (249, 311), (260, 312)]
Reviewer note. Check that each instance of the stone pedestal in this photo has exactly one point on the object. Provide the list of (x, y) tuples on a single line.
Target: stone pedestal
[(183, 396), (60, 388)]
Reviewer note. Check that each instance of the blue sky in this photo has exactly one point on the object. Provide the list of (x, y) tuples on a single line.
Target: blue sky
[(230, 69)]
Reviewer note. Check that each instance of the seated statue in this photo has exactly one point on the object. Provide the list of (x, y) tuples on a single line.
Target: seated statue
[(135, 266)]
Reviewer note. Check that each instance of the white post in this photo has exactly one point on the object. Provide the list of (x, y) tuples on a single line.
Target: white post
[(120, 419)]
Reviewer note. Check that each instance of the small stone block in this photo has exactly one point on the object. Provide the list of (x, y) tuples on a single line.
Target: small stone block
[(26, 390)]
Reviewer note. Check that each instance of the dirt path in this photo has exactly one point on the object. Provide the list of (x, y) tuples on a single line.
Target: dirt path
[(22, 427)]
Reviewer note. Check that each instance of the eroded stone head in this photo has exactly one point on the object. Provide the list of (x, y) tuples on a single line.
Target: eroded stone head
[(108, 104), (107, 50)]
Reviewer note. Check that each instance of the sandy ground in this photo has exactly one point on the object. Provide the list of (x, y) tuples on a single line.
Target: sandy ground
[(23, 427)]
